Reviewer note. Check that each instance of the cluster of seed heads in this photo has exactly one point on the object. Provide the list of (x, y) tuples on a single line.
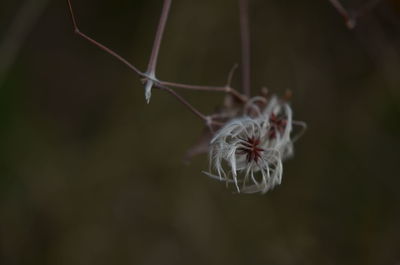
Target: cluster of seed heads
[(248, 138)]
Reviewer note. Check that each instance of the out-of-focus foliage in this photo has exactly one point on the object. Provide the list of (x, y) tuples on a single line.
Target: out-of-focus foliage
[(90, 174)]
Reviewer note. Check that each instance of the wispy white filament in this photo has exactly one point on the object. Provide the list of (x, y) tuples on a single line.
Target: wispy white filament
[(229, 163)]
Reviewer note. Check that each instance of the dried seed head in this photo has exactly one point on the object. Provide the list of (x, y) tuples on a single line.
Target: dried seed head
[(248, 151)]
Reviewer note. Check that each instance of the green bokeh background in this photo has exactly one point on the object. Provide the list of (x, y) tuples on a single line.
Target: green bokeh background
[(91, 174)]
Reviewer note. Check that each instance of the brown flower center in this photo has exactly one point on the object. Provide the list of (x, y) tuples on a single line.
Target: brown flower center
[(278, 125), (250, 147)]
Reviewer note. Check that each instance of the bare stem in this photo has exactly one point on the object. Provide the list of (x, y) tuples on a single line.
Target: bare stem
[(207, 119), (159, 35), (146, 76), (227, 88), (98, 44), (149, 77), (151, 69), (245, 39), (183, 101), (194, 87), (230, 75), (351, 18)]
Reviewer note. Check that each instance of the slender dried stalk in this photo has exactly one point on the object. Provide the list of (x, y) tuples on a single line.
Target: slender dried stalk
[(186, 103), (140, 73), (227, 88), (350, 21), (151, 69), (98, 44), (156, 83), (351, 18), (245, 40)]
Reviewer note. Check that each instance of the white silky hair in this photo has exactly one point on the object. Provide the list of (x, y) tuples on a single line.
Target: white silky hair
[(282, 141), (231, 166)]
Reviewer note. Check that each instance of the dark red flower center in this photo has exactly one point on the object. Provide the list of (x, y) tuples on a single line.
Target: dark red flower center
[(278, 124), (250, 147)]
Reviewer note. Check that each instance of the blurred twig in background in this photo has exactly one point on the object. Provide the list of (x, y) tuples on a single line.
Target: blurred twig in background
[(351, 17), (15, 36), (245, 39)]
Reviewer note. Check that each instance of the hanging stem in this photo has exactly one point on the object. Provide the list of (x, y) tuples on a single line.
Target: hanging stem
[(183, 101), (207, 119), (351, 18), (152, 63), (148, 77), (151, 69), (98, 44), (245, 40), (227, 88), (158, 38)]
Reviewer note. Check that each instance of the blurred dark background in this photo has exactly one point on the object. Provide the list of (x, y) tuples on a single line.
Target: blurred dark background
[(91, 174)]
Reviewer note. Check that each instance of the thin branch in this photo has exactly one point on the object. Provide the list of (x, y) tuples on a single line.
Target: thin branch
[(230, 75), (194, 87), (146, 76), (111, 52), (71, 12), (151, 69), (245, 40), (152, 63), (159, 35), (237, 95), (207, 119), (351, 17), (350, 21), (131, 66), (98, 44), (15, 36), (227, 88), (183, 101), (149, 77)]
